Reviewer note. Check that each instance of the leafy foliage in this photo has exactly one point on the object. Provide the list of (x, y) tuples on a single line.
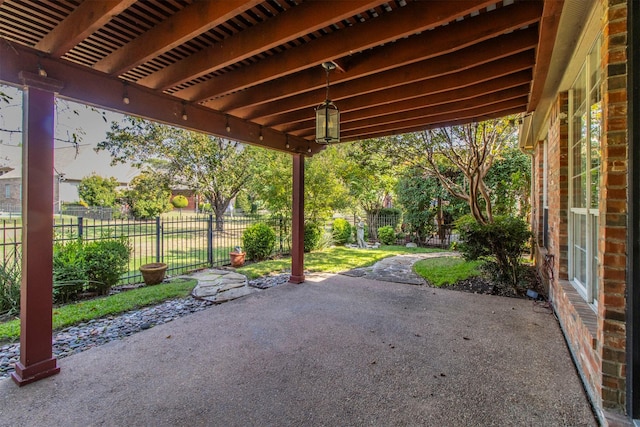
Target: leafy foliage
[(258, 241), (69, 270), (149, 195), (105, 261), (387, 235), (469, 150), (98, 191), (180, 201), (368, 175), (510, 181), (341, 231), (10, 276), (98, 264), (501, 243), (213, 167), (312, 235)]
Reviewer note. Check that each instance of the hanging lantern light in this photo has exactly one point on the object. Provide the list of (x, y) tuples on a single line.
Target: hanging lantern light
[(327, 115)]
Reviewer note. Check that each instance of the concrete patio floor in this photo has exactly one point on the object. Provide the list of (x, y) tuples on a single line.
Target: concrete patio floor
[(335, 350)]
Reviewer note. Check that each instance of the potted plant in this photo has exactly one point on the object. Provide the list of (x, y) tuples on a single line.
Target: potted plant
[(153, 273), (237, 257)]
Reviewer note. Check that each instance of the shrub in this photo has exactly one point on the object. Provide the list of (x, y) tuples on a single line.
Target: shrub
[(105, 261), (502, 243), (99, 264), (258, 241), (312, 235), (341, 231), (180, 202), (69, 270), (10, 287), (386, 235)]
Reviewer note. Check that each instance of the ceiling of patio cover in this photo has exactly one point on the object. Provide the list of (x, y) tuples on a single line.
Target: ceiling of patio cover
[(251, 70)]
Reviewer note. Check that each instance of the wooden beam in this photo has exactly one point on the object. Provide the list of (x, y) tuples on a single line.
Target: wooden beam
[(445, 121), (404, 21), (548, 31), (88, 17), (295, 22), (407, 97), (97, 89), (185, 25), (415, 48), (517, 48), (500, 100), (456, 100)]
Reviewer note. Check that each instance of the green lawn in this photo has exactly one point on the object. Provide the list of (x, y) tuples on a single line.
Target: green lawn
[(72, 314), (446, 270), (332, 260)]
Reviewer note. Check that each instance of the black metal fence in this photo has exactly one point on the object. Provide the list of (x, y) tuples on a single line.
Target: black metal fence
[(185, 243)]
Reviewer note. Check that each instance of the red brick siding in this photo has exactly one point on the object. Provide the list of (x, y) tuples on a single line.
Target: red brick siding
[(597, 340), (613, 209)]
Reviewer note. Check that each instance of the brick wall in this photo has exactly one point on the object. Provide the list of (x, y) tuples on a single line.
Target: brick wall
[(597, 340), (613, 209)]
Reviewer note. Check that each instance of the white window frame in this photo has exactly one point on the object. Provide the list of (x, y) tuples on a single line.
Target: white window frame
[(588, 286)]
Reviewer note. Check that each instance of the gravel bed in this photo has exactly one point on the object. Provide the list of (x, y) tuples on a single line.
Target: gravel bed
[(96, 332)]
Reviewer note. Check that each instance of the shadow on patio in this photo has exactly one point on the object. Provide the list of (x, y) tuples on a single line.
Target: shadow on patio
[(335, 350)]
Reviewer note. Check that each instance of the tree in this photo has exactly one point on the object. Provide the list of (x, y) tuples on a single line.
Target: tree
[(98, 191), (324, 189), (470, 149), (213, 167), (510, 181), (149, 195)]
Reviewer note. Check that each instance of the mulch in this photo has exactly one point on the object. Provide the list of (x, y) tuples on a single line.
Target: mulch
[(483, 285)]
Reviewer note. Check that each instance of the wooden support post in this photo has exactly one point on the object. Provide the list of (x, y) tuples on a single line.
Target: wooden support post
[(297, 222), (36, 301)]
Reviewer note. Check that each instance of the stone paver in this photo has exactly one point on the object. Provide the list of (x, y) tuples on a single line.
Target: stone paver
[(220, 285), (397, 269)]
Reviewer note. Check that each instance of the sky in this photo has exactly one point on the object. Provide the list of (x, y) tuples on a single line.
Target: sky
[(71, 118)]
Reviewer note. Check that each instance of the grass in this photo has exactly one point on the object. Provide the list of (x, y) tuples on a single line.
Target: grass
[(446, 270), (72, 314), (331, 260)]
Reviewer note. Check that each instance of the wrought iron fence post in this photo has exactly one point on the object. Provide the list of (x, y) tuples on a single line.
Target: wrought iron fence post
[(281, 233), (80, 227), (210, 241), (158, 239)]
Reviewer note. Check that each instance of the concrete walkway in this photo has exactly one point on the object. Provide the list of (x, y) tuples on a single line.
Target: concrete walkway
[(335, 350)]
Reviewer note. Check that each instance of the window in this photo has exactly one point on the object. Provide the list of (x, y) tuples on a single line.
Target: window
[(7, 191), (585, 127)]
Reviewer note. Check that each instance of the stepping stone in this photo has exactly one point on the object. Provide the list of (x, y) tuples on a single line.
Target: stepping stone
[(220, 286), (231, 294)]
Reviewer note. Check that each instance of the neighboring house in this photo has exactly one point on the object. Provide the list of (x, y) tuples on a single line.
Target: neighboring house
[(578, 138), (71, 165)]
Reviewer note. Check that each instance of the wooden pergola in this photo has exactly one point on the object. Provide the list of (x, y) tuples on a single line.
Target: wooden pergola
[(250, 70)]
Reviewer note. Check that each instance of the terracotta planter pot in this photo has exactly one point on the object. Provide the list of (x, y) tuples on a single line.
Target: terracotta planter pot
[(237, 259), (153, 273)]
